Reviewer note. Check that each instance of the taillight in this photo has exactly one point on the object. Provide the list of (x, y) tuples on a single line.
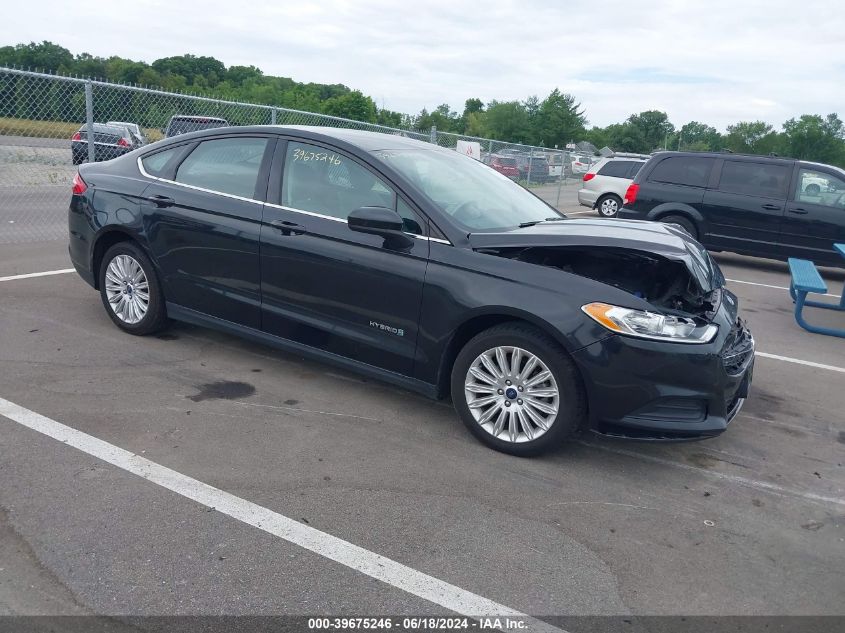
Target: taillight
[(79, 186), (76, 137), (123, 142), (588, 176), (631, 194)]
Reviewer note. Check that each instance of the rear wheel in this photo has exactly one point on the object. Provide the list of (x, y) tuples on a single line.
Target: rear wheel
[(608, 205), (130, 290), (679, 221), (516, 390)]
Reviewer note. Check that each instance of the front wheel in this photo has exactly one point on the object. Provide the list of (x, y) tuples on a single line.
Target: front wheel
[(517, 391), (130, 290), (608, 206)]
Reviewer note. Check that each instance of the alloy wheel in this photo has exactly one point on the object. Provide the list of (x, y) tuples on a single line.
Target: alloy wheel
[(127, 289), (512, 394)]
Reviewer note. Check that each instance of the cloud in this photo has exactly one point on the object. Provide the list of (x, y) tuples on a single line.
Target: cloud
[(716, 62)]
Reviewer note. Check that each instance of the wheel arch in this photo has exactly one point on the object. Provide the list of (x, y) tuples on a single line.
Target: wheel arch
[(475, 324), (675, 208), (104, 241)]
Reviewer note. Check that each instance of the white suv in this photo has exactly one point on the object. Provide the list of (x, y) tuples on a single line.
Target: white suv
[(606, 182)]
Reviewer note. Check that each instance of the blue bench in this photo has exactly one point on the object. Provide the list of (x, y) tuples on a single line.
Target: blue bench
[(806, 279)]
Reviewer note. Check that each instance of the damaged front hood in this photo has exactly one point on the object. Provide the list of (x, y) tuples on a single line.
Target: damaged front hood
[(633, 235)]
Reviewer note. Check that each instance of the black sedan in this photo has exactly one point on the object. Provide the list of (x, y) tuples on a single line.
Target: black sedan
[(421, 267), (110, 141)]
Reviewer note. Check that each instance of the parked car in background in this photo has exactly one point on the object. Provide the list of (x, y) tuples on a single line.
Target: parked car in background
[(755, 205), (536, 165), (505, 165), (606, 182), (415, 265), (180, 124), (110, 141), (560, 165), (580, 164), (136, 130)]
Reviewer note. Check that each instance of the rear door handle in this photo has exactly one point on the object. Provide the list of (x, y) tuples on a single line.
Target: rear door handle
[(288, 228), (161, 201), (799, 211), (771, 207)]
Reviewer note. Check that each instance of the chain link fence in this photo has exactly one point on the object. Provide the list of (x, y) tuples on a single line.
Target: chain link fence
[(46, 121)]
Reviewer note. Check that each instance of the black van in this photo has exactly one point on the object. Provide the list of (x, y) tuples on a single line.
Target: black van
[(755, 205)]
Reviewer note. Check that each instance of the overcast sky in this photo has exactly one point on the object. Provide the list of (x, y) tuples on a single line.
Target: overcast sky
[(717, 61)]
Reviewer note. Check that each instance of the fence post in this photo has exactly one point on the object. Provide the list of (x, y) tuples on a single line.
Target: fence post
[(89, 121), (559, 181), (272, 116), (530, 163), (434, 134)]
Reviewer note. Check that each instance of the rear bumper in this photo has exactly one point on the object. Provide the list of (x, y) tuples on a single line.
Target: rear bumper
[(587, 198), (651, 390)]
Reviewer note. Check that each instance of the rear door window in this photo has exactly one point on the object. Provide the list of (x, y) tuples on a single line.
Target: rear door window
[(615, 169), (755, 179), (818, 187), (691, 171), (226, 165)]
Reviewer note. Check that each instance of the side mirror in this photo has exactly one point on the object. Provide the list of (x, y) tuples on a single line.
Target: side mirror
[(380, 221)]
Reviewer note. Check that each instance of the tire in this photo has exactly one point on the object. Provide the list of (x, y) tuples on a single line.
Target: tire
[(563, 414), (681, 222), (130, 272), (608, 205)]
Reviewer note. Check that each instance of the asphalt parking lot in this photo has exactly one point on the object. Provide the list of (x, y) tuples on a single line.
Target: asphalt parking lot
[(750, 523)]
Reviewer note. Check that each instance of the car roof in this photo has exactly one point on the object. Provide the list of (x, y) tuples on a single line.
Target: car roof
[(365, 140), (726, 155)]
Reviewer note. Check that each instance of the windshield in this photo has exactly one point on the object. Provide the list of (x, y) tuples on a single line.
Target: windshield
[(475, 196)]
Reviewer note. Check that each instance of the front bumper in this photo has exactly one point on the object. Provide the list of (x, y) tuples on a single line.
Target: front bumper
[(651, 390)]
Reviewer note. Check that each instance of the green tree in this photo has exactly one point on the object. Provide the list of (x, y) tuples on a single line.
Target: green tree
[(653, 127), (697, 136), (559, 120), (812, 137), (352, 105), (508, 121), (751, 137)]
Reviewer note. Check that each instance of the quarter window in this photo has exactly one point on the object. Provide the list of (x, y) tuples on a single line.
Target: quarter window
[(154, 165), (817, 187), (319, 180), (227, 165), (754, 179), (693, 171)]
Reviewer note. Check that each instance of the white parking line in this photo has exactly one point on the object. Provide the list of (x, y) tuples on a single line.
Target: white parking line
[(369, 563), (798, 361), (44, 274), (754, 283)]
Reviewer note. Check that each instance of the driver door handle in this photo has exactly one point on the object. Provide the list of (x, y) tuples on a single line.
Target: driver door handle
[(799, 211), (288, 228), (161, 201), (771, 207)]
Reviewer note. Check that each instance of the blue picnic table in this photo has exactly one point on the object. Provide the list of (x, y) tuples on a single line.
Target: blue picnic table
[(806, 279)]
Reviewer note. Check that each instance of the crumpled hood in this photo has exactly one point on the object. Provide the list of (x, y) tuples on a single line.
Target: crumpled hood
[(637, 235)]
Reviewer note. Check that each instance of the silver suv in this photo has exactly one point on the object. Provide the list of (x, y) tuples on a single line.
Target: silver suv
[(607, 180)]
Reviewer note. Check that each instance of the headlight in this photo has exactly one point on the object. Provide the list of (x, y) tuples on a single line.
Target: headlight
[(651, 325)]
